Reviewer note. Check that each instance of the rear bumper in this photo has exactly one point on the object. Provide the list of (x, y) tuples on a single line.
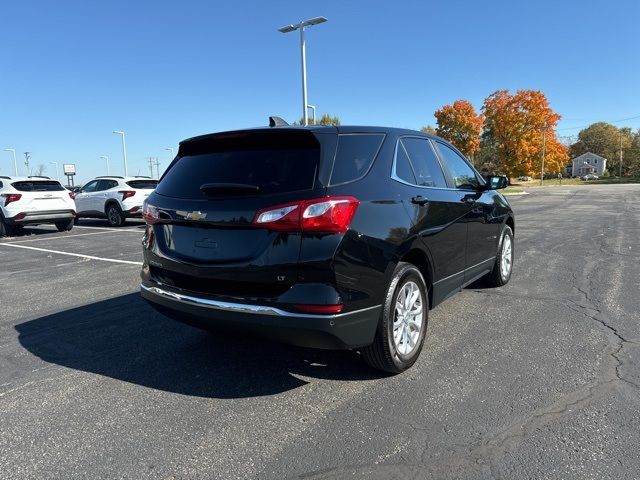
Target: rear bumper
[(338, 331), (26, 218)]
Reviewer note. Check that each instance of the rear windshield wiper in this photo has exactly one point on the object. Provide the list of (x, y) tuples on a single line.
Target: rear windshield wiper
[(215, 189)]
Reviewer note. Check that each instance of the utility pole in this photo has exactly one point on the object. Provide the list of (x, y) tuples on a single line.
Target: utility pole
[(27, 156), (157, 164), (544, 144), (620, 175), (150, 160)]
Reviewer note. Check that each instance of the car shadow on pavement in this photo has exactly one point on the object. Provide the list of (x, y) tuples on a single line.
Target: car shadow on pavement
[(125, 339)]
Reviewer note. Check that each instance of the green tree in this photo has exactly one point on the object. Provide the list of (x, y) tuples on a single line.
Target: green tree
[(606, 140)]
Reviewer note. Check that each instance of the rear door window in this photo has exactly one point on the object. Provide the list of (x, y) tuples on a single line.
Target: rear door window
[(38, 186), (354, 156), (145, 184), (272, 162), (106, 185), (425, 164)]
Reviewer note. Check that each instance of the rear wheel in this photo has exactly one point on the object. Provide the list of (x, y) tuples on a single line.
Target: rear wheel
[(115, 216), (503, 266), (64, 226), (403, 324)]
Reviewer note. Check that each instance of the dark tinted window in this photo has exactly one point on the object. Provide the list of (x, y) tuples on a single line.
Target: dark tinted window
[(278, 167), (463, 175), (90, 187), (143, 184), (354, 155), (404, 170), (38, 186), (106, 185), (425, 164)]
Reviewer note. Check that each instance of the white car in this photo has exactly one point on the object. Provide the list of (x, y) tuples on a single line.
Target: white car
[(34, 201), (114, 198), (590, 176)]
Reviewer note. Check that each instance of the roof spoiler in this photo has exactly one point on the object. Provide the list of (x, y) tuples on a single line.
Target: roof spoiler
[(277, 122)]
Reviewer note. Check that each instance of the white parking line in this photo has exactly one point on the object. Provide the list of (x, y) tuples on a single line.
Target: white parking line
[(90, 257), (111, 229), (41, 238)]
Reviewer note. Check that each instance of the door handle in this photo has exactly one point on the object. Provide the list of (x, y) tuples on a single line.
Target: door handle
[(420, 200)]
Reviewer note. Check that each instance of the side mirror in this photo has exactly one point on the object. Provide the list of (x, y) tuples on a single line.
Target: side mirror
[(497, 182)]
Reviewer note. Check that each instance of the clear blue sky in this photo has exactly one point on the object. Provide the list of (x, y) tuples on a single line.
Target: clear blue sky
[(71, 72)]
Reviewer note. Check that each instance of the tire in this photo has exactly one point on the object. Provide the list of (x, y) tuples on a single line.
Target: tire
[(499, 276), (114, 215), (385, 353), (6, 230), (65, 226)]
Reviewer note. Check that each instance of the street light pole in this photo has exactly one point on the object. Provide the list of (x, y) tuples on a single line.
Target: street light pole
[(313, 109), (124, 151), (56, 164), (303, 57), (15, 163), (107, 159)]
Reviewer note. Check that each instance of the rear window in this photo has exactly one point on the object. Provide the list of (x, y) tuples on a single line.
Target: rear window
[(354, 155), (38, 186), (274, 163), (143, 184)]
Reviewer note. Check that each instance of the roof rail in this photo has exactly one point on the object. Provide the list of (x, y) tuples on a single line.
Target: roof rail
[(5, 177), (39, 176), (142, 176), (277, 122), (109, 176)]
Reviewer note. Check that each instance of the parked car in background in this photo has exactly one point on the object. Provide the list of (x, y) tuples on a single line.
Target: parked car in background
[(34, 201), (525, 179), (590, 176), (328, 237), (114, 198)]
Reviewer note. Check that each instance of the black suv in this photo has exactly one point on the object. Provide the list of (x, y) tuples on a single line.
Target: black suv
[(328, 237)]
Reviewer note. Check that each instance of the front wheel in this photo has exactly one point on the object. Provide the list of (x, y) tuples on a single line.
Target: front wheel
[(403, 323), (65, 226), (503, 265), (115, 216)]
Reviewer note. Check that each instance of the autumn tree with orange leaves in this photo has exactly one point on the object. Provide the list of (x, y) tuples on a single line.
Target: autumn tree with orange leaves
[(518, 125), (461, 125)]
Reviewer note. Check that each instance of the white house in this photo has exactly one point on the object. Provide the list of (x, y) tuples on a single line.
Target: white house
[(588, 163)]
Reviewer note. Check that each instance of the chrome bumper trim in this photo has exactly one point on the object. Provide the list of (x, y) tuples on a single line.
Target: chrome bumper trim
[(241, 307)]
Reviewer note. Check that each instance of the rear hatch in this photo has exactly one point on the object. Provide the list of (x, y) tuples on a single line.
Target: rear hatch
[(206, 202), (42, 195), (143, 188)]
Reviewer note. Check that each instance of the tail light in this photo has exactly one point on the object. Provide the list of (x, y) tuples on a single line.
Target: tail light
[(150, 213), (329, 215), (126, 194), (72, 195), (11, 197)]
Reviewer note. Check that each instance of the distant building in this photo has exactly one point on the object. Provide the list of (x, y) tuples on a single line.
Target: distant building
[(587, 163)]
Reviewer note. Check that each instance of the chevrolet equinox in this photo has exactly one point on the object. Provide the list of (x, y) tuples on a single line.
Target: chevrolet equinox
[(323, 236)]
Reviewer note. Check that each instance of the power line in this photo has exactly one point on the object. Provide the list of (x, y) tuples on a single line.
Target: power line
[(612, 121)]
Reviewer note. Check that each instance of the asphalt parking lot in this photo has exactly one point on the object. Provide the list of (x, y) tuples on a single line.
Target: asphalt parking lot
[(538, 379)]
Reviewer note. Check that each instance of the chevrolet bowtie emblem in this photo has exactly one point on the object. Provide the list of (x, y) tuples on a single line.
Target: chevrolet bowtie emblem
[(195, 215)]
